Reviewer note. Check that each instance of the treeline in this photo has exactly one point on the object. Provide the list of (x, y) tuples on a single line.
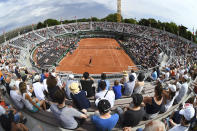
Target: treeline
[(170, 27)]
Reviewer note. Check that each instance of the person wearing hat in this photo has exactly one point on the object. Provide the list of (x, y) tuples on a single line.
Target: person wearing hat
[(131, 116), (38, 88), (129, 86), (79, 97), (104, 121), (183, 89), (188, 113), (169, 97)]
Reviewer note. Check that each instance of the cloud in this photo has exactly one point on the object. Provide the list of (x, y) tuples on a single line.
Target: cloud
[(16, 13)]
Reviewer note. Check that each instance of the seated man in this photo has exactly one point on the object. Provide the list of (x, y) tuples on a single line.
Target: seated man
[(129, 86), (15, 96), (104, 121), (154, 75), (65, 115), (105, 94)]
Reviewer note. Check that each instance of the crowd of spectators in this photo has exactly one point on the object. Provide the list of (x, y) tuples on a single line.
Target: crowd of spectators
[(53, 48), (143, 51), (47, 91)]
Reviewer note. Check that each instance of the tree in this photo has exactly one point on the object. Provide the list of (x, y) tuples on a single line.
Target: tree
[(51, 22), (131, 21), (144, 22), (40, 25), (111, 18)]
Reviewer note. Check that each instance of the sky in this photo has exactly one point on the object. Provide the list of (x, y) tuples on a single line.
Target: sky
[(17, 13)]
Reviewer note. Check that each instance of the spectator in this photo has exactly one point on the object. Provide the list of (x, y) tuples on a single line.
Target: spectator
[(169, 96), (139, 85), (32, 105), (64, 114), (8, 122), (104, 121), (38, 88), (68, 83), (154, 104), (134, 74), (129, 86), (42, 76), (86, 83), (117, 90), (155, 125), (79, 97), (183, 89), (131, 116), (187, 113), (105, 94), (52, 87), (16, 96), (103, 78), (154, 75)]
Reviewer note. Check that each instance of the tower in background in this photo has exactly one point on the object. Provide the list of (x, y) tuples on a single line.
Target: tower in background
[(118, 10)]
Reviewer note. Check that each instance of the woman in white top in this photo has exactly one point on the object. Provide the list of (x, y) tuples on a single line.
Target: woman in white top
[(139, 83), (31, 104)]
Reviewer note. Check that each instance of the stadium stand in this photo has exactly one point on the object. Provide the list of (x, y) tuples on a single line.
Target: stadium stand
[(168, 94)]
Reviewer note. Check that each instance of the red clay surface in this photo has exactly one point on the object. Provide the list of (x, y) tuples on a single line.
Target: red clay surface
[(105, 57)]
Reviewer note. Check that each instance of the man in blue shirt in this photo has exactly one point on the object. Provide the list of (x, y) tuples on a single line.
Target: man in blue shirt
[(104, 121), (154, 75)]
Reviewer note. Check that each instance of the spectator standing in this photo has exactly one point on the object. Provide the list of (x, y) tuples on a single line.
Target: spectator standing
[(86, 83)]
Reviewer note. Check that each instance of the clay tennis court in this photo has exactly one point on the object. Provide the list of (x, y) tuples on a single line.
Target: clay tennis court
[(105, 57)]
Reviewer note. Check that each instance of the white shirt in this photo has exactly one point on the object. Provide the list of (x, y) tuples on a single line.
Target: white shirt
[(167, 75), (17, 98), (17, 82), (45, 84), (38, 90), (179, 128), (182, 91), (134, 74), (110, 96)]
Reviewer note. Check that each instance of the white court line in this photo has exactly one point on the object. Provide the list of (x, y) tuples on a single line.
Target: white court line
[(112, 57), (116, 56)]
